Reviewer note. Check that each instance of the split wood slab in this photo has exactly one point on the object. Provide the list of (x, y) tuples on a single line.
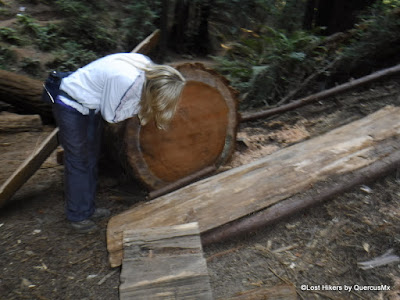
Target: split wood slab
[(164, 263), (229, 196)]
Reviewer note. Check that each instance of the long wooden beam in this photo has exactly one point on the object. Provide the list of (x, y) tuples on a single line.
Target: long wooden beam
[(232, 195)]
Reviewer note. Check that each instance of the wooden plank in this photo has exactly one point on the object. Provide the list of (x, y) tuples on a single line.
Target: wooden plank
[(231, 195), (28, 167), (164, 263)]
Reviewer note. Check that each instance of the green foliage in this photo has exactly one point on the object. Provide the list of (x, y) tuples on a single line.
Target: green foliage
[(44, 37), (71, 56), (31, 66), (376, 37), (11, 36), (267, 63), (89, 29), (229, 16), (263, 67), (7, 57), (142, 16)]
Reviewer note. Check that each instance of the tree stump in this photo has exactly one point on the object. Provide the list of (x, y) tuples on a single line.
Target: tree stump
[(202, 133)]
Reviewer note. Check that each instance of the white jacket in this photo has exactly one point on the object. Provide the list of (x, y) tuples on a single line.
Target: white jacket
[(112, 85)]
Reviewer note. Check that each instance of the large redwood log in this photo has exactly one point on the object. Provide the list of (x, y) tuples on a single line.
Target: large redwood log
[(232, 195), (202, 133)]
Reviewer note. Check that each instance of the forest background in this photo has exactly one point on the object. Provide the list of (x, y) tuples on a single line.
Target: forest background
[(293, 47)]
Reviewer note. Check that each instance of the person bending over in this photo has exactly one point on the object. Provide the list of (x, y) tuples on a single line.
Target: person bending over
[(113, 88)]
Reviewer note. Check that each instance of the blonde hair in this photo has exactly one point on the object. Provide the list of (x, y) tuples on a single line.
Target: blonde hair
[(161, 92)]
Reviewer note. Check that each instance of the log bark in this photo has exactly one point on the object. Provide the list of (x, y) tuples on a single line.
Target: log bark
[(10, 122), (232, 195), (251, 116), (25, 94), (321, 192)]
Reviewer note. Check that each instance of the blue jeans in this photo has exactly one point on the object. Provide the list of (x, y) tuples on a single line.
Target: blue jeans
[(80, 136)]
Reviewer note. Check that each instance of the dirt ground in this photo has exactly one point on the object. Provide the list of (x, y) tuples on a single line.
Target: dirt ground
[(315, 251)]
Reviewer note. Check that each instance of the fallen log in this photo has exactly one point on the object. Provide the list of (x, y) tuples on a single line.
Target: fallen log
[(10, 122), (251, 116), (234, 194), (25, 94), (321, 192)]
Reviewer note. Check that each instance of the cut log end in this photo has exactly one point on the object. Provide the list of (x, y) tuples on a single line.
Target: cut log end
[(201, 134)]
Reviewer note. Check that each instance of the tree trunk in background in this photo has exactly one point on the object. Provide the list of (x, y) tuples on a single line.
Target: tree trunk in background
[(189, 31), (308, 20), (334, 15), (164, 30), (181, 19), (202, 39)]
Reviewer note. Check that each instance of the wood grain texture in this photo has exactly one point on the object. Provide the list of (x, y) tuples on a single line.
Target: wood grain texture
[(164, 263), (201, 134), (228, 196)]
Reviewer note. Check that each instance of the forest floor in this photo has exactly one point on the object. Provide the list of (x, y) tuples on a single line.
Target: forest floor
[(314, 251)]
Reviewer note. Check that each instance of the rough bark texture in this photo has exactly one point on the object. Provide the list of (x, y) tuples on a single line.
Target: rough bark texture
[(24, 93)]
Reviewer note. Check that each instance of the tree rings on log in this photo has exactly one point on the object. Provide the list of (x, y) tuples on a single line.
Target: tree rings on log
[(201, 134)]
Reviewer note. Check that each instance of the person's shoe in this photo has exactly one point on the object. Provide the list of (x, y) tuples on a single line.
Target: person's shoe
[(84, 226), (100, 213)]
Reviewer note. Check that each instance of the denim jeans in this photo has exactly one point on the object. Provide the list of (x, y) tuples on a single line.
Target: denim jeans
[(80, 136)]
